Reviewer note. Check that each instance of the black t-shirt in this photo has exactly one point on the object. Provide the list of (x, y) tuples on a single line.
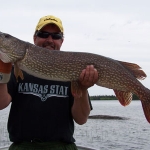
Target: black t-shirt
[(41, 109)]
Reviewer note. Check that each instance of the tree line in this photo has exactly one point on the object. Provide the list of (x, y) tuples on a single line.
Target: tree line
[(109, 97)]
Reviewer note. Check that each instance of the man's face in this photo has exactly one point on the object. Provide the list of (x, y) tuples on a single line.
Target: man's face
[(49, 42)]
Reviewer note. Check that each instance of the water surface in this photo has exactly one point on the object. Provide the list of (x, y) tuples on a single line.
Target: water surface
[(132, 133)]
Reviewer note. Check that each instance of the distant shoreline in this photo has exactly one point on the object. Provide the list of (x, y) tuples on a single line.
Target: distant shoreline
[(109, 97)]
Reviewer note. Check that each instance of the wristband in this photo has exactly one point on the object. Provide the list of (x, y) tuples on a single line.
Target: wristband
[(4, 77)]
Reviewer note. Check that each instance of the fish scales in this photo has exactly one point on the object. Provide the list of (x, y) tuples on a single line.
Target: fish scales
[(67, 66)]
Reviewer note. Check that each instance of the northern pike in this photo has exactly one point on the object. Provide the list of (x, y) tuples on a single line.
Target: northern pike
[(120, 76)]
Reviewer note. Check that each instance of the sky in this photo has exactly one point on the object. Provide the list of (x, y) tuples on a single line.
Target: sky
[(113, 28)]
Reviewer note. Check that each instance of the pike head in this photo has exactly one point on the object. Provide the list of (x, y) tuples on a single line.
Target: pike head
[(11, 48)]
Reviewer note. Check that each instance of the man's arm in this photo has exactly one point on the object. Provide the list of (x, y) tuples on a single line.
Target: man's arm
[(81, 107), (5, 71), (5, 98)]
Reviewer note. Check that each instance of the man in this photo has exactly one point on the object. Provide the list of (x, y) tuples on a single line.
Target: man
[(42, 111)]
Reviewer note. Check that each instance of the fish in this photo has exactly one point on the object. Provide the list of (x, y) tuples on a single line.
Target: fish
[(122, 77)]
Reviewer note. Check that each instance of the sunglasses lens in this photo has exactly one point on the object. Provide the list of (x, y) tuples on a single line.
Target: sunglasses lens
[(54, 36), (42, 34)]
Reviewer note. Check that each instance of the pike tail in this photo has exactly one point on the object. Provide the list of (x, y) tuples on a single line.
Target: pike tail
[(145, 100), (126, 97)]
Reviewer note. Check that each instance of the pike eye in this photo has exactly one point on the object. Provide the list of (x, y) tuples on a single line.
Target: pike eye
[(7, 35)]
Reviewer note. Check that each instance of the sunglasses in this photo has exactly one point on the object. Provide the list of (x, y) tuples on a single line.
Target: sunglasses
[(44, 34)]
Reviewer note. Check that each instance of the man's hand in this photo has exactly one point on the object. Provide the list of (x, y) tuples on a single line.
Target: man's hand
[(5, 71), (88, 77)]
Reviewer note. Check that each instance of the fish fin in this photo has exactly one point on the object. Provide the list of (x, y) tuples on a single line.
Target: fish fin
[(134, 69), (18, 73), (146, 109), (75, 89), (124, 98)]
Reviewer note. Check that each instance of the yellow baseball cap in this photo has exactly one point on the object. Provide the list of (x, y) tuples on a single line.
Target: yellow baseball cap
[(48, 20)]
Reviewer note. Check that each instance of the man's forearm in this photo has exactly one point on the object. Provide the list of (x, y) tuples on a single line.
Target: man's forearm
[(5, 98), (81, 108)]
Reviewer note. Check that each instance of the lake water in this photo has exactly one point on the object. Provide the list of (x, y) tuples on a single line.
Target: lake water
[(132, 133)]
